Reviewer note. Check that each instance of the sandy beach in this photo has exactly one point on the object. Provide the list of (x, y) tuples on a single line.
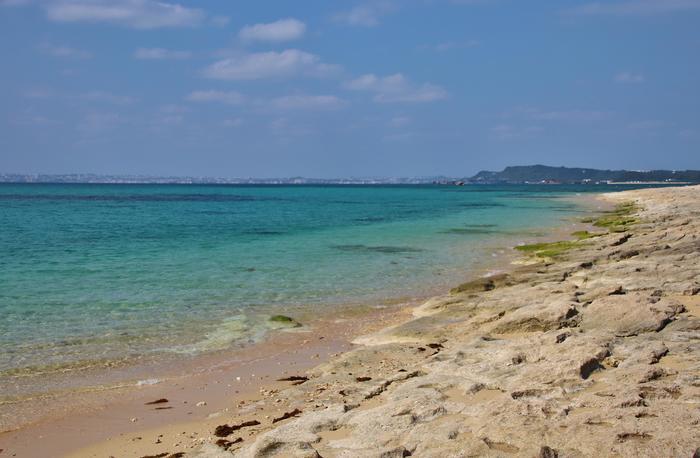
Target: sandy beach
[(583, 347)]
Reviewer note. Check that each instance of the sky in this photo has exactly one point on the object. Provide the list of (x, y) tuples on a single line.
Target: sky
[(347, 88)]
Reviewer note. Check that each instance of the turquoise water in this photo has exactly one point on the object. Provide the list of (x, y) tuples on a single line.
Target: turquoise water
[(91, 274)]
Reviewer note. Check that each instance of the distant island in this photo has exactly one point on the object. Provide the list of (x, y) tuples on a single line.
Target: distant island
[(527, 174), (574, 175)]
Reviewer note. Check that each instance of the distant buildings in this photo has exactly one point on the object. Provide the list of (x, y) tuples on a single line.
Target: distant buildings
[(531, 174)]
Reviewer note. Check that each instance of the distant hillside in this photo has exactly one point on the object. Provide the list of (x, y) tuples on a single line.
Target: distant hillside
[(543, 173)]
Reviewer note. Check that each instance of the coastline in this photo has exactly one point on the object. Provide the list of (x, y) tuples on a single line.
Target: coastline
[(590, 350), (206, 381), (132, 439)]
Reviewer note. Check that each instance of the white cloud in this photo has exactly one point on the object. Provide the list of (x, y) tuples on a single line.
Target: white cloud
[(365, 15), (278, 31), (636, 7), (227, 97), (629, 78), (64, 51), (307, 102), (396, 88), (160, 54), (290, 62), (107, 97), (139, 14)]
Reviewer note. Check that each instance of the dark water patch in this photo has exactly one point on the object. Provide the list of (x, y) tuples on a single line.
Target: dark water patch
[(481, 205), (479, 226), (263, 232), (376, 249), (371, 219), (213, 212), (470, 231)]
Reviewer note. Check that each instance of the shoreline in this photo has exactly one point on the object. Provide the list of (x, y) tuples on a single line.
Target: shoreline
[(301, 359), (198, 392), (591, 350)]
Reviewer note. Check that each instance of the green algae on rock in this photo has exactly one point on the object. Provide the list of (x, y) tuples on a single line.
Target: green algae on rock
[(584, 235), (617, 220), (549, 249), (285, 321), (620, 219)]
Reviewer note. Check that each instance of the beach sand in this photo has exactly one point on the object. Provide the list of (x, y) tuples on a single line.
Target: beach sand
[(590, 351), (194, 397)]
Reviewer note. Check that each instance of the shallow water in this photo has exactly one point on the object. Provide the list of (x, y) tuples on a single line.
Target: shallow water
[(99, 275)]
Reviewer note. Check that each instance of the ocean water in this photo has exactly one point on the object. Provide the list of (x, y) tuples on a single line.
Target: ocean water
[(95, 275)]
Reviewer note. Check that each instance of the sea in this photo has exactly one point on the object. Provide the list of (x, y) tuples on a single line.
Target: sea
[(100, 276)]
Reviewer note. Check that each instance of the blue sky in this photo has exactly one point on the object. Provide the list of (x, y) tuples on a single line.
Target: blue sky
[(329, 89)]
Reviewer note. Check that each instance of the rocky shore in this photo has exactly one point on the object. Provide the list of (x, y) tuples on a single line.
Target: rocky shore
[(590, 348)]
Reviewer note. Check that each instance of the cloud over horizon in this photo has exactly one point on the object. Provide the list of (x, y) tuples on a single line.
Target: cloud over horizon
[(396, 88), (138, 14), (271, 64), (366, 15), (276, 32)]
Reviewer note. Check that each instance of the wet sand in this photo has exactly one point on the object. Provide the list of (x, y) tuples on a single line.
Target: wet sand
[(206, 391)]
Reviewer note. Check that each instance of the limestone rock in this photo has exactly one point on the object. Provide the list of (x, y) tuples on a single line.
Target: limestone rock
[(629, 314)]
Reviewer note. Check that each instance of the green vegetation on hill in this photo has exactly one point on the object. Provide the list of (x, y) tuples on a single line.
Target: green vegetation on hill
[(543, 173)]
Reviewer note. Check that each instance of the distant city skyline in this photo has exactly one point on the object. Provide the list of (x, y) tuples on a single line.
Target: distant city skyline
[(532, 174), (382, 88)]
